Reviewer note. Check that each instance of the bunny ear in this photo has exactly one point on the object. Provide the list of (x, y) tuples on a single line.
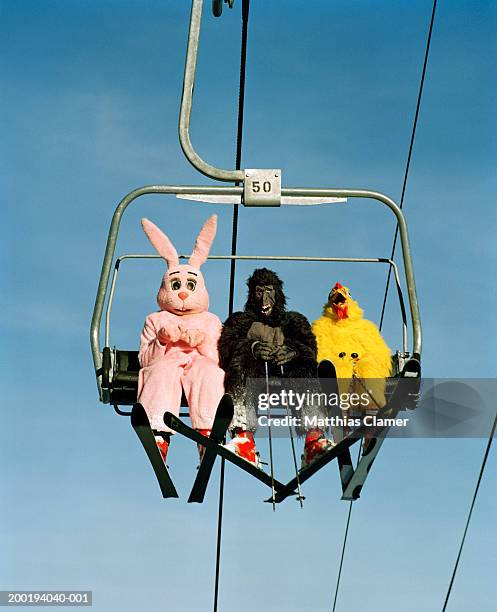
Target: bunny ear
[(203, 243), (161, 242)]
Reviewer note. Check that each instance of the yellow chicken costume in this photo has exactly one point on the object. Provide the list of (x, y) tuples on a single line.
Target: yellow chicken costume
[(355, 347)]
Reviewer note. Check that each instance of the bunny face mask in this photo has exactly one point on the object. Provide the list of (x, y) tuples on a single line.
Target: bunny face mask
[(183, 289)]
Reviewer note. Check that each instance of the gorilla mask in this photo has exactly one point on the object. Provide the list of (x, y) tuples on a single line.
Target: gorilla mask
[(266, 297)]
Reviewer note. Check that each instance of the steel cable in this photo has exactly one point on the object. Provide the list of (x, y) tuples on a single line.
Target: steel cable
[(478, 482), (344, 541), (404, 185), (409, 155), (234, 239)]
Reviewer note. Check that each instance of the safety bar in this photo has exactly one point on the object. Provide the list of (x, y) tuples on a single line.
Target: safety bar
[(299, 192), (390, 262), (186, 104)]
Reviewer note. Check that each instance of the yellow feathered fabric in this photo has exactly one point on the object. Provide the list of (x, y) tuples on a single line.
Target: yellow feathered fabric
[(354, 345)]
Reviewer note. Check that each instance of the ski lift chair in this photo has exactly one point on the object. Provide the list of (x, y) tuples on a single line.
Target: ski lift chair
[(117, 370)]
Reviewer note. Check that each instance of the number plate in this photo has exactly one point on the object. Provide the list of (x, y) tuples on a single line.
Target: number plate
[(262, 188)]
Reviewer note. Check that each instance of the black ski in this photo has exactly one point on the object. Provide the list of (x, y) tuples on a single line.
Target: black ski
[(224, 415), (175, 423), (329, 384), (402, 392), (141, 425), (406, 390), (353, 489), (315, 466)]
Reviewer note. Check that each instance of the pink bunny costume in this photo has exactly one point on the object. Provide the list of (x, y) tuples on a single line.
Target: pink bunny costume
[(178, 347)]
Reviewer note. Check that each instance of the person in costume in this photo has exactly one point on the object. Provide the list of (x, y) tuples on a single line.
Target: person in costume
[(267, 340), (178, 347), (355, 346)]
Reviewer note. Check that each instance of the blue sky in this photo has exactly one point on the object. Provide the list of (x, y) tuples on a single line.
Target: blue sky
[(89, 98)]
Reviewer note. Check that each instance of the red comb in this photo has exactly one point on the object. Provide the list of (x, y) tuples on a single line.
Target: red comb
[(338, 286)]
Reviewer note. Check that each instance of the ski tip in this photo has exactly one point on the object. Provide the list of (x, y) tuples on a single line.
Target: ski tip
[(281, 495), (170, 495), (225, 407), (194, 500), (139, 416), (326, 369), (169, 419), (356, 493)]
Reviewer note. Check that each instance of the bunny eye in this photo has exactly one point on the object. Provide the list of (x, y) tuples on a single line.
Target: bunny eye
[(175, 284), (191, 284)]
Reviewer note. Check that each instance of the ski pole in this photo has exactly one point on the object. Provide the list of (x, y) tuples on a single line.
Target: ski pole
[(300, 497), (271, 465)]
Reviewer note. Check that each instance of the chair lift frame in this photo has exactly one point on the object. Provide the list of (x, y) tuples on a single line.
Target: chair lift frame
[(107, 264), (108, 285), (244, 195)]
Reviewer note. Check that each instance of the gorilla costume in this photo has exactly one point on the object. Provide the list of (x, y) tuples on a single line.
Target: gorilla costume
[(265, 332)]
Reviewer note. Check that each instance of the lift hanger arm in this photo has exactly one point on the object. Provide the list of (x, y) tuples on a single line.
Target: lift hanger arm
[(186, 104)]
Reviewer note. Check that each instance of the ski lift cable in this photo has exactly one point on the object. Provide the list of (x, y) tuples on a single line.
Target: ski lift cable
[(406, 174), (339, 575), (411, 146), (234, 240), (475, 494)]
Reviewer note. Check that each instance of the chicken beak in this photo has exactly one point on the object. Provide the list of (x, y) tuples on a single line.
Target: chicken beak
[(339, 304)]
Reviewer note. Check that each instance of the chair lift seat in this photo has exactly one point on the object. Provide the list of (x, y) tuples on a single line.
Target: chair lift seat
[(124, 385)]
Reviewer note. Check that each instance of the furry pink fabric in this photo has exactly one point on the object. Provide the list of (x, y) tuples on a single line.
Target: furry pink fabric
[(169, 368), (178, 346), (161, 242), (175, 300), (203, 242)]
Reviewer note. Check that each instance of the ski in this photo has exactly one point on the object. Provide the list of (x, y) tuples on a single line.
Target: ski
[(353, 489), (402, 392), (141, 425), (315, 466), (224, 415), (406, 390), (329, 384), (177, 424), (345, 468)]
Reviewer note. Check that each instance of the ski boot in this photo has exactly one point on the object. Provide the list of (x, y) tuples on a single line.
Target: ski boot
[(243, 445), (163, 442), (316, 445)]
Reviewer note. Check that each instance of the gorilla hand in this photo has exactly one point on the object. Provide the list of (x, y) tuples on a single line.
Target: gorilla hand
[(262, 350), (284, 354)]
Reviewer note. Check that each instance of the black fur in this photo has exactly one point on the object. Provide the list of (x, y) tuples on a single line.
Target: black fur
[(235, 348)]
